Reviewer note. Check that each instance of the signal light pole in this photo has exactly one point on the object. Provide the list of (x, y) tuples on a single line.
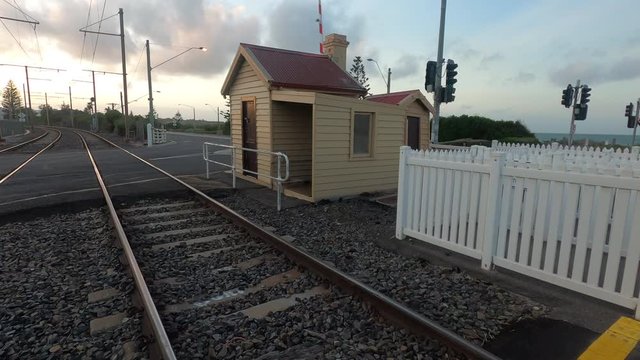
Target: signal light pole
[(632, 120), (579, 111), (438, 87)]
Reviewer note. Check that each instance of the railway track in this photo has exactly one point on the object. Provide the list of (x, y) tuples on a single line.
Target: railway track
[(214, 284), (27, 151), (24, 143)]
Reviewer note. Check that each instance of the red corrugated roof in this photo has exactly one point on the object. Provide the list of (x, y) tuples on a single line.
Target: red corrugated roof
[(294, 69), (391, 98)]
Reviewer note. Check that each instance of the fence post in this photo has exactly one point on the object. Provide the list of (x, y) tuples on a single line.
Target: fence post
[(401, 212), (493, 209)]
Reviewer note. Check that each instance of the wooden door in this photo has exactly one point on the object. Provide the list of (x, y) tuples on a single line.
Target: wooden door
[(249, 138), (413, 132)]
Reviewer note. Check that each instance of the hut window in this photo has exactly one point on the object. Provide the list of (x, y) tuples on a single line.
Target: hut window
[(362, 125)]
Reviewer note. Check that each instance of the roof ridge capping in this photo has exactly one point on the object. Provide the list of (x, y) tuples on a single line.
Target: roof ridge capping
[(269, 48)]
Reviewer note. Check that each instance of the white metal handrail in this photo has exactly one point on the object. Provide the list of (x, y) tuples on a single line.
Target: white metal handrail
[(278, 178)]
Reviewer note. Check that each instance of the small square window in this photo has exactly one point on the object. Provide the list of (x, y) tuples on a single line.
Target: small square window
[(362, 134)]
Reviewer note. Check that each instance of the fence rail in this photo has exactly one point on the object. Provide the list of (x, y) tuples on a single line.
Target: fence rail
[(567, 216), (282, 160)]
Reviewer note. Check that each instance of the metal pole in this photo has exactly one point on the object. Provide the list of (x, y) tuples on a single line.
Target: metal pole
[(572, 128), (95, 102), (26, 71), (218, 121), (71, 107), (389, 81), (121, 105), (124, 73), (438, 90), (24, 92), (46, 102), (635, 125), (149, 83)]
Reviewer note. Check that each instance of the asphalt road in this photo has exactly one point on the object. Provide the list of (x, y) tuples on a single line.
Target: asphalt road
[(63, 174)]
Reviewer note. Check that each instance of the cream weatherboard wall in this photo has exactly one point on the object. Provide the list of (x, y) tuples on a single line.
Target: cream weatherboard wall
[(248, 86), (335, 172), (292, 128)]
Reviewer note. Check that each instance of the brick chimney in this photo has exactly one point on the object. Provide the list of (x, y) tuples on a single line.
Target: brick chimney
[(335, 45)]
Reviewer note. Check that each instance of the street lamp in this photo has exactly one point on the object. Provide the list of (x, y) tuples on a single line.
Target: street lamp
[(194, 111), (149, 68), (217, 112), (386, 82)]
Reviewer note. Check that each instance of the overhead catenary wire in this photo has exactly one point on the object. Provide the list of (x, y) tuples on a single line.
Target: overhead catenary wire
[(84, 37), (99, 27), (14, 38), (20, 10)]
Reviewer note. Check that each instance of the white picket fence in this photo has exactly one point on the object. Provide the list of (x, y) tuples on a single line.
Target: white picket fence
[(570, 217)]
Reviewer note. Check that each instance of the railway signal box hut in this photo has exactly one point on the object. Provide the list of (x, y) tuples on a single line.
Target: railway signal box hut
[(307, 106)]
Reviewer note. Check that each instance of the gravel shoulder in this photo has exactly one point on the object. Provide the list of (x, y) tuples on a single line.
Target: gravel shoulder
[(346, 234), (49, 266)]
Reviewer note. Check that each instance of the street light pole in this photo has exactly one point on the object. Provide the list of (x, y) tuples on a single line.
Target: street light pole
[(387, 82), (194, 110), (149, 68)]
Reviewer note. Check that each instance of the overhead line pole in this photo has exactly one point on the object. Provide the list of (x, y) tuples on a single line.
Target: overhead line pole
[(124, 65), (26, 71), (438, 88)]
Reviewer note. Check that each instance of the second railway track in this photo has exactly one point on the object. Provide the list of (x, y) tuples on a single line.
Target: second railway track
[(225, 288)]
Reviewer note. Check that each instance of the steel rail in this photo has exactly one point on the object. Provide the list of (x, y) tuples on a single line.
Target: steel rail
[(31, 158), (390, 309), (161, 339), (24, 143)]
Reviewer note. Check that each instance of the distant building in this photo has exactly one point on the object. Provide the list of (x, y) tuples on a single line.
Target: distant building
[(307, 106)]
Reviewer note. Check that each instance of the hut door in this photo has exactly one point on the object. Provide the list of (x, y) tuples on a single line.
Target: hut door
[(413, 132), (249, 138)]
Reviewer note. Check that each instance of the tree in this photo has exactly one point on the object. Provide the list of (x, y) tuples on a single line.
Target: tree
[(358, 74), (226, 114), (479, 127), (89, 108), (11, 101), (177, 119)]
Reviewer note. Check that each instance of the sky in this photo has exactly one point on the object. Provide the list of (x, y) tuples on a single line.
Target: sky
[(514, 57)]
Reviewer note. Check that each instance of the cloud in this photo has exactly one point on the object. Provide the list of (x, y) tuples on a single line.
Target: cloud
[(597, 73), (407, 65), (492, 58), (172, 27), (292, 25), (523, 77)]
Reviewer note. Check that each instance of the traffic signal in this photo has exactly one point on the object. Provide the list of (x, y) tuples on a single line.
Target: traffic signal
[(628, 110), (567, 96), (584, 94), (580, 111), (450, 81), (430, 78)]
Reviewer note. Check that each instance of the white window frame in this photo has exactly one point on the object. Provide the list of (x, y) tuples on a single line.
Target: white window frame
[(369, 154)]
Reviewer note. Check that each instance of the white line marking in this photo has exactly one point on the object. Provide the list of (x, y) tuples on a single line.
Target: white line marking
[(84, 190), (176, 157)]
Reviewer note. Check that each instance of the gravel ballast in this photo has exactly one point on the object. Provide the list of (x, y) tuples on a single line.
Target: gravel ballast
[(49, 266), (344, 233)]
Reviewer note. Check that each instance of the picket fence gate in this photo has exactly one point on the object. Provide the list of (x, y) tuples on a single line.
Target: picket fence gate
[(567, 216)]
